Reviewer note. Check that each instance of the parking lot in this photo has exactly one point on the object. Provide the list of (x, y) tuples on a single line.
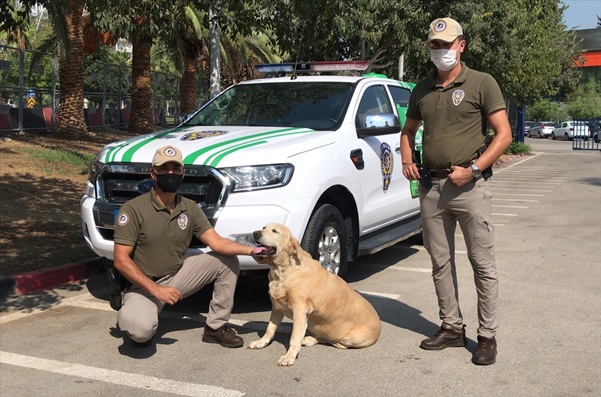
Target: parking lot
[(63, 342)]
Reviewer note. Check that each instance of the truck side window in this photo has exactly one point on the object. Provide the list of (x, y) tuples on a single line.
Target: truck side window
[(400, 96), (374, 101)]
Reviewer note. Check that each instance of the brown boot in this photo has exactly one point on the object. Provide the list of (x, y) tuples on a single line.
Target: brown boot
[(445, 337), (223, 335), (486, 353)]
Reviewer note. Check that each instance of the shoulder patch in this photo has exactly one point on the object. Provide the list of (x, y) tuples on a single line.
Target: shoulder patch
[(123, 219)]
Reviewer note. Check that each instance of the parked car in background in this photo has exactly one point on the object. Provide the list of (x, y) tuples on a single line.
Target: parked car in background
[(542, 129), (571, 130), (527, 126)]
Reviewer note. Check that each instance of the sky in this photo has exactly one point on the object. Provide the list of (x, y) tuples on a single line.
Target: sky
[(582, 13)]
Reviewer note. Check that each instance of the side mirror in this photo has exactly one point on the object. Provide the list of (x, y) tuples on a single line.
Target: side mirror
[(379, 124)]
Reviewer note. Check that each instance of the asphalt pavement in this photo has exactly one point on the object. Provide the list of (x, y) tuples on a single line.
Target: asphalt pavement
[(63, 341)]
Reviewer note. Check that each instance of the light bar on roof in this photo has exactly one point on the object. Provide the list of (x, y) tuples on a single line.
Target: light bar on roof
[(338, 66)]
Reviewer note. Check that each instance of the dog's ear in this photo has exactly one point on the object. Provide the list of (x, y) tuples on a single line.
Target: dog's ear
[(295, 244), (296, 248)]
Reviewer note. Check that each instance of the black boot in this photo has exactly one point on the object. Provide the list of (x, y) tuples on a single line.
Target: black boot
[(445, 337), (486, 353)]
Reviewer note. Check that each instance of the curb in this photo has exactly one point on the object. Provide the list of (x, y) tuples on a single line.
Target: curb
[(51, 277), (506, 160)]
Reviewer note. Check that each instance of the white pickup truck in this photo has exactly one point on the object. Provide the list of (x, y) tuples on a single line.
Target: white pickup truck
[(319, 154)]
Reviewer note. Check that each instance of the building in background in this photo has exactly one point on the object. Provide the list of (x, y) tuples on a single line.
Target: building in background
[(590, 44)]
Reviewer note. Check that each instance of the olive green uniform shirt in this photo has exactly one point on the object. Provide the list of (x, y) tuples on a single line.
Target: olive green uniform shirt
[(454, 116), (160, 238)]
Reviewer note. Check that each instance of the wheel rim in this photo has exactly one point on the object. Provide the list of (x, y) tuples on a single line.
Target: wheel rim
[(329, 249)]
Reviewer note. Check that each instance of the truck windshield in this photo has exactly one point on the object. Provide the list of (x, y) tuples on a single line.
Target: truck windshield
[(315, 105)]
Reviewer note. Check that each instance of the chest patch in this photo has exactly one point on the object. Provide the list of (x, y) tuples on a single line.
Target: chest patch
[(182, 221), (458, 96)]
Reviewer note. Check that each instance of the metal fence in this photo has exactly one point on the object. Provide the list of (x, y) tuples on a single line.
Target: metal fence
[(29, 94), (590, 142)]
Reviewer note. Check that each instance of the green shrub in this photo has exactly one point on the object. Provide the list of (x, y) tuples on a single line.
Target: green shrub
[(518, 148)]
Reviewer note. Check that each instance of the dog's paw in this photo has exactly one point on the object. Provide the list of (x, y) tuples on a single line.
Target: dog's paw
[(309, 341), (258, 344), (286, 360)]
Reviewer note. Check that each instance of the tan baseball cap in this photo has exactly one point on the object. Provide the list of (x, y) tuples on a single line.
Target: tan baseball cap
[(166, 154), (444, 29)]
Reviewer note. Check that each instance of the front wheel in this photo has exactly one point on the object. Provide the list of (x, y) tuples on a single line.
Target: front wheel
[(326, 239)]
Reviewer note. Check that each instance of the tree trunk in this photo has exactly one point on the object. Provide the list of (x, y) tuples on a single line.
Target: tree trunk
[(187, 83), (140, 121), (71, 74)]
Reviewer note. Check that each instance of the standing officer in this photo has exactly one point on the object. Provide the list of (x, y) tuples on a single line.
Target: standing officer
[(455, 103)]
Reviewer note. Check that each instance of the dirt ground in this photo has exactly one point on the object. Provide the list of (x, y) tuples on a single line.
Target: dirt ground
[(40, 225)]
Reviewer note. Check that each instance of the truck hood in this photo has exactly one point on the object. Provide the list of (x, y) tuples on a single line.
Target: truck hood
[(222, 146)]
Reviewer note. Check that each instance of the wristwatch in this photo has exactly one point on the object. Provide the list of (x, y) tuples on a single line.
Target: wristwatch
[(476, 173)]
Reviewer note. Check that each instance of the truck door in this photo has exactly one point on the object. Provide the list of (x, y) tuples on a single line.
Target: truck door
[(385, 189)]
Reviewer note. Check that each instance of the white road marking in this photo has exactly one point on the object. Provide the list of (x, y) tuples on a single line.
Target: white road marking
[(497, 214), (518, 194), (410, 269), (117, 377), (517, 199), (68, 301), (521, 189), (510, 206)]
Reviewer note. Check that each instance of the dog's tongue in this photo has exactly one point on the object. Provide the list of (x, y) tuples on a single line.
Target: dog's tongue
[(259, 250)]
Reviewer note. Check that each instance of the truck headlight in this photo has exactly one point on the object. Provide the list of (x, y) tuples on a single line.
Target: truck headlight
[(257, 177)]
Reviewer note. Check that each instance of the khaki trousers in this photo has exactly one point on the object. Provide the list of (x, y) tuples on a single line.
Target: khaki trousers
[(139, 315), (443, 206)]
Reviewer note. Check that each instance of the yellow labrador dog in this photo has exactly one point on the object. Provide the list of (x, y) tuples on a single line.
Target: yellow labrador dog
[(315, 299)]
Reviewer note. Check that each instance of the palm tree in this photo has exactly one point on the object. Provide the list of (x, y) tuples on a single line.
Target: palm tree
[(67, 18), (189, 48)]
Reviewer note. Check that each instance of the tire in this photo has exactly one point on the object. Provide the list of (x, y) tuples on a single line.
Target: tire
[(326, 239), (553, 136), (566, 136)]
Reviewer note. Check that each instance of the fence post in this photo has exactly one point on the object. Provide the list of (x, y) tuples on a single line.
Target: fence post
[(103, 105), (53, 96), (21, 91)]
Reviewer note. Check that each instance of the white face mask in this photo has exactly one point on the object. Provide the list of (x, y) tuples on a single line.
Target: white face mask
[(444, 59)]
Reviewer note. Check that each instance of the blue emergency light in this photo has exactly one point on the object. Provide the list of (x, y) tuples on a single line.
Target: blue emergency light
[(313, 67)]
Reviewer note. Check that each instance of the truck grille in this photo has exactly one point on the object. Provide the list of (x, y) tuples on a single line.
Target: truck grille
[(118, 183)]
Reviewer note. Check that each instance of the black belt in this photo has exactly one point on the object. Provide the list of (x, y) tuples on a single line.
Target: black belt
[(441, 174)]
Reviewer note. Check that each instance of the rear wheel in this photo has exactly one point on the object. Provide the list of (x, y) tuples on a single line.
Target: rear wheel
[(326, 239), (566, 136)]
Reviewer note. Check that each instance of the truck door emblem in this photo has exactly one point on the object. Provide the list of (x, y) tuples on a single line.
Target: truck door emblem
[(386, 162)]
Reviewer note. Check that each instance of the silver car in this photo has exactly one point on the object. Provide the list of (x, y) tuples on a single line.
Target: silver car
[(542, 129)]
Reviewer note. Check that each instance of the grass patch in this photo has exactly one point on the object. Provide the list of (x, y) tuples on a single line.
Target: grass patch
[(60, 161), (518, 148)]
